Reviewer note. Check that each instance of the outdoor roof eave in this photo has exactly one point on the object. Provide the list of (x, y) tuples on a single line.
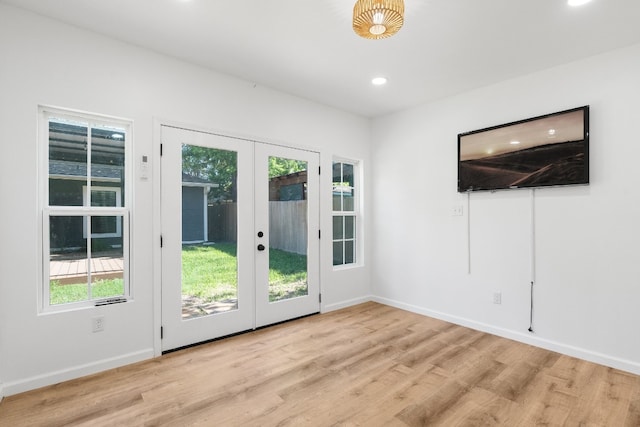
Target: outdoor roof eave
[(199, 184)]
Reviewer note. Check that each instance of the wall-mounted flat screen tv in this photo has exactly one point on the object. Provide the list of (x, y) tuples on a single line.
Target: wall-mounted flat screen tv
[(548, 150)]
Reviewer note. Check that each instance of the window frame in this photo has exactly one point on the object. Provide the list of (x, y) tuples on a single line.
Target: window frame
[(85, 196), (45, 211), (355, 213)]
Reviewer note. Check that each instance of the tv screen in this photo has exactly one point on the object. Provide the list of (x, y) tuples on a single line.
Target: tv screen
[(541, 151)]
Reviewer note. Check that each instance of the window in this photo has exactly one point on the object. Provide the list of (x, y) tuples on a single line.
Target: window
[(345, 213), (85, 208)]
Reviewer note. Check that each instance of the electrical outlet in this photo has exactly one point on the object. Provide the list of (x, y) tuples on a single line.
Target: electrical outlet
[(497, 297), (457, 210), (98, 323)]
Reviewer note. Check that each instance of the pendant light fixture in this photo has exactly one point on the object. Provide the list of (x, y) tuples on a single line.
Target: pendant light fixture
[(378, 19)]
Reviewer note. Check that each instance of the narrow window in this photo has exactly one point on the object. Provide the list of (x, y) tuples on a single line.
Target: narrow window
[(345, 213), (85, 208)]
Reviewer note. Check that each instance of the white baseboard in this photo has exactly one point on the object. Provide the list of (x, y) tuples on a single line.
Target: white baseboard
[(344, 304), (32, 383), (1, 392), (580, 353)]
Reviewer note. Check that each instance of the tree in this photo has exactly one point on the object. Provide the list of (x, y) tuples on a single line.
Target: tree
[(279, 166), (214, 165), (221, 167)]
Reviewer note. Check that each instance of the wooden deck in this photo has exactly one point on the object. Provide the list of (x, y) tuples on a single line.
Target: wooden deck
[(68, 269)]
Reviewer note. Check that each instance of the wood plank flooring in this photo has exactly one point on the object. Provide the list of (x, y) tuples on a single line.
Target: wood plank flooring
[(367, 365)]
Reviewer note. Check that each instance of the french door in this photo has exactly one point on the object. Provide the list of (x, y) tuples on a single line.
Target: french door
[(286, 238), (240, 244)]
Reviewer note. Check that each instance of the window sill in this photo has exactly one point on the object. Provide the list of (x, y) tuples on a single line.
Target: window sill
[(347, 266)]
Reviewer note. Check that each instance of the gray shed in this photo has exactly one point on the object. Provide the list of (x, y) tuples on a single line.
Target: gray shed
[(194, 208)]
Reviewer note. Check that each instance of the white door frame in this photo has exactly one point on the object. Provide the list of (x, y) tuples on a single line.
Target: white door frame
[(157, 188)]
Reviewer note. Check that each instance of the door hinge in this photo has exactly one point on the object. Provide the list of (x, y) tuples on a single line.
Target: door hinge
[(319, 298), (161, 332), (161, 150), (319, 236), (161, 241), (318, 170)]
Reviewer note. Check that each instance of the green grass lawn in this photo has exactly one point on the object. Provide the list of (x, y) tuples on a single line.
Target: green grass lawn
[(208, 274), (287, 275), (62, 294)]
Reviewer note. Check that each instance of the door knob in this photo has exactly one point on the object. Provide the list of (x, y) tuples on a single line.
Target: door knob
[(261, 247)]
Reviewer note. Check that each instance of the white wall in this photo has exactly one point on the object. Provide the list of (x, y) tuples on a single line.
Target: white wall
[(48, 63), (587, 238)]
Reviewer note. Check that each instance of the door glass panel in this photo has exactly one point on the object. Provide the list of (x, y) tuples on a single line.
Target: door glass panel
[(287, 228), (209, 231)]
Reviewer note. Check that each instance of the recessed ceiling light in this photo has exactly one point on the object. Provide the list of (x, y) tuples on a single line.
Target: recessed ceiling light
[(577, 2), (514, 142), (379, 81)]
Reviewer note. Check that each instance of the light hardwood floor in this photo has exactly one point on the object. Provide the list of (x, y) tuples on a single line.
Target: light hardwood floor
[(367, 365)]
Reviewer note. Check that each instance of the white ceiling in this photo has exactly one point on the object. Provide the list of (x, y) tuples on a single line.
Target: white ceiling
[(308, 48)]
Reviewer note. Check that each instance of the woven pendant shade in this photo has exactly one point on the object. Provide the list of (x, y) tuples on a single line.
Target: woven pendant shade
[(378, 19)]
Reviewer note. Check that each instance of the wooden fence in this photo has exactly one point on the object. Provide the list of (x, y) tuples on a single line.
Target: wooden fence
[(288, 226), (222, 222), (288, 221)]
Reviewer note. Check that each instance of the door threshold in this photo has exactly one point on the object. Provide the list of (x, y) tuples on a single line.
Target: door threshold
[(237, 333)]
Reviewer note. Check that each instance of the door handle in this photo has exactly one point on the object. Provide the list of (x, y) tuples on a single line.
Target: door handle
[(261, 247)]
